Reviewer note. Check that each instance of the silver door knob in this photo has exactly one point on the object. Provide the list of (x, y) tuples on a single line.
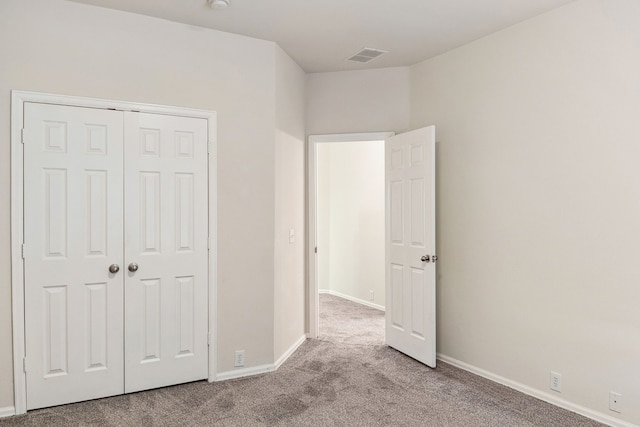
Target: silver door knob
[(425, 258), (133, 267), (114, 268)]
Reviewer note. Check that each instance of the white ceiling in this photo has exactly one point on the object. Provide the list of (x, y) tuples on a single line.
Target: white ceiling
[(320, 34)]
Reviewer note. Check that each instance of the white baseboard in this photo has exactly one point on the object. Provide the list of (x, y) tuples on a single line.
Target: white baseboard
[(290, 351), (262, 369), (353, 299), (245, 372), (7, 411), (538, 394)]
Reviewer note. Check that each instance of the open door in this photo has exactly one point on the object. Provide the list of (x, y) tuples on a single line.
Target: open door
[(410, 319)]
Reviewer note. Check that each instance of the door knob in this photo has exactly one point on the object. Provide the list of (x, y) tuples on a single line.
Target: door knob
[(133, 267), (114, 268), (425, 258)]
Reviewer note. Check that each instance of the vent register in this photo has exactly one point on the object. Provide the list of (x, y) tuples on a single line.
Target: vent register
[(366, 55)]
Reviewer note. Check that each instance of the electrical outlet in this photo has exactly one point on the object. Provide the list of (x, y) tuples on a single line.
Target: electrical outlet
[(615, 401), (555, 382), (372, 295), (238, 358)]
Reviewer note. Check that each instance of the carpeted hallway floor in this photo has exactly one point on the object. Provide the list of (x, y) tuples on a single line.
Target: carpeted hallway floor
[(345, 378)]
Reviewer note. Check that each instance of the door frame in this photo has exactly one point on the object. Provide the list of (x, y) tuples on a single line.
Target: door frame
[(313, 141), (18, 98)]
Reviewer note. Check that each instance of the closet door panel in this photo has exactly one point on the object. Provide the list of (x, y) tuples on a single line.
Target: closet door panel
[(73, 232), (166, 211)]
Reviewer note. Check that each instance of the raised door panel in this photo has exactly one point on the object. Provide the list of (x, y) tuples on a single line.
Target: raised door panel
[(97, 227), (73, 232), (397, 295), (96, 326), (149, 232), (55, 195), (55, 324), (150, 310), (417, 303), (166, 232), (417, 219), (397, 212), (185, 293), (184, 214)]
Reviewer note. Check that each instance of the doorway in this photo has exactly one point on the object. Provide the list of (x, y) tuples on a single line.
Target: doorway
[(410, 288), (111, 223), (347, 196)]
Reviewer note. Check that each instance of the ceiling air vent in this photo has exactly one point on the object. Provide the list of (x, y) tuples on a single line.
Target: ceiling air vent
[(366, 55)]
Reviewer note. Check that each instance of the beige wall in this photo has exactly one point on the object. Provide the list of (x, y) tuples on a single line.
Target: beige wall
[(538, 200), (358, 101), (67, 48), (289, 291), (351, 219)]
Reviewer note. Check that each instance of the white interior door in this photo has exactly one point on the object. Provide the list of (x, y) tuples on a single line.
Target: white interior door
[(166, 236), (410, 316), (73, 233)]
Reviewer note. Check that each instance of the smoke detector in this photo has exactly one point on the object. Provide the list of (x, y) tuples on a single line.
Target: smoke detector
[(219, 4), (365, 55)]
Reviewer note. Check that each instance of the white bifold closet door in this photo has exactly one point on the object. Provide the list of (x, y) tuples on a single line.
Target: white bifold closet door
[(108, 190)]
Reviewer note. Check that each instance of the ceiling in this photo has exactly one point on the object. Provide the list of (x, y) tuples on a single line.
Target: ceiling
[(320, 34)]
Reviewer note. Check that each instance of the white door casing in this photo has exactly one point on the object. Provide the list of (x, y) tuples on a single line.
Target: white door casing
[(73, 232), (166, 236), (75, 342), (410, 317)]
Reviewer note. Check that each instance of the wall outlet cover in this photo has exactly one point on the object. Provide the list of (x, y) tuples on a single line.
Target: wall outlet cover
[(615, 402), (555, 382), (238, 358)]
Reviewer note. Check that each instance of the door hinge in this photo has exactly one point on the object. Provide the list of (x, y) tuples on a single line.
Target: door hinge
[(209, 147), (22, 250), (209, 338), (208, 243), (22, 136), (315, 250), (24, 364)]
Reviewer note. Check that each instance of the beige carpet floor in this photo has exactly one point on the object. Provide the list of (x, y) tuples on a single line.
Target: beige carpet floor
[(348, 377)]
